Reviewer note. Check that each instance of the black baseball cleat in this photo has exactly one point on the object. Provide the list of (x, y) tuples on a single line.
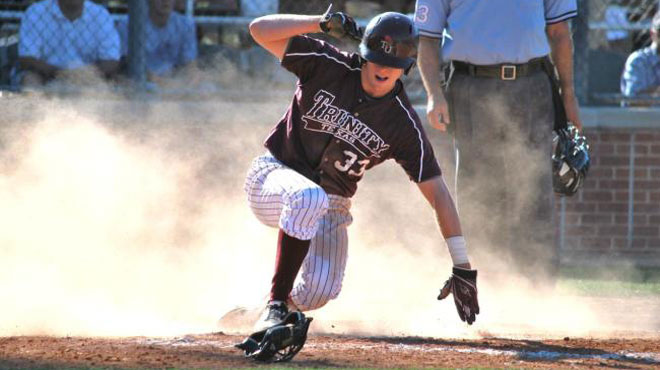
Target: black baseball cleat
[(273, 315), (280, 342)]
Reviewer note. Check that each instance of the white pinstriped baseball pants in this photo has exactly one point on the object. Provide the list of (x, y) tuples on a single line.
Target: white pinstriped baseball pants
[(282, 198)]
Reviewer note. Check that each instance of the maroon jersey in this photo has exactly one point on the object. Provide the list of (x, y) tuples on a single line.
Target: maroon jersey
[(333, 131)]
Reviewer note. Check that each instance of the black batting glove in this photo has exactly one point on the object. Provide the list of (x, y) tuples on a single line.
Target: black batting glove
[(340, 25), (462, 284)]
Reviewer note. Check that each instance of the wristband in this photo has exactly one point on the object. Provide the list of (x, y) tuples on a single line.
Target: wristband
[(457, 249)]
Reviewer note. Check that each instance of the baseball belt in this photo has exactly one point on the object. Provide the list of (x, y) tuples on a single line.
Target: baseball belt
[(501, 71)]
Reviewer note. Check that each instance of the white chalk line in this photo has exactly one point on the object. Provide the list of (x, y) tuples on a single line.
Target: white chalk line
[(648, 357)]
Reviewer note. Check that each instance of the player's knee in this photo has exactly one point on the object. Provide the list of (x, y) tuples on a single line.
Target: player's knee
[(318, 292), (326, 297), (310, 199), (302, 211)]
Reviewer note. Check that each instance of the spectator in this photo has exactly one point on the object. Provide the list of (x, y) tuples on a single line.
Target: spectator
[(58, 36), (255, 8), (618, 37), (641, 74), (171, 41)]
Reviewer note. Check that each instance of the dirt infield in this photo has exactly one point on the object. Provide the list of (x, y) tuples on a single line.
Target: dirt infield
[(113, 269), (216, 351)]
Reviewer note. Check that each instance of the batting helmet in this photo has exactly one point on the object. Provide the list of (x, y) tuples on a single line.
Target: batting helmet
[(570, 161), (390, 39)]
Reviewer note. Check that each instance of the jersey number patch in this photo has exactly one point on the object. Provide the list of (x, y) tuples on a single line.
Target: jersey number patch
[(351, 158), (422, 14)]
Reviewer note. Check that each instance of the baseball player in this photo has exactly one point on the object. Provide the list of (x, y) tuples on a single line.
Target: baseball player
[(349, 113)]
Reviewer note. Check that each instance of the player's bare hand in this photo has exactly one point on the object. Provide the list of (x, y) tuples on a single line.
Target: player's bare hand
[(340, 25), (437, 112), (463, 286)]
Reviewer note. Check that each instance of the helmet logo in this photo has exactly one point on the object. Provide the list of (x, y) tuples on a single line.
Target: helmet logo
[(386, 44)]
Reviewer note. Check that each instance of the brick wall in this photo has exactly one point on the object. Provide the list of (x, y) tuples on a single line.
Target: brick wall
[(603, 221)]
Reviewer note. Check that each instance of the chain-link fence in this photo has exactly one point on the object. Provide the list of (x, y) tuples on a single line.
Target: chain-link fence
[(119, 39), (621, 25), (606, 33), (53, 43), (79, 41)]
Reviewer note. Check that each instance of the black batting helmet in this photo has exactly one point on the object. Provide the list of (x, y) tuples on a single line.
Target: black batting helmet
[(570, 161), (390, 39)]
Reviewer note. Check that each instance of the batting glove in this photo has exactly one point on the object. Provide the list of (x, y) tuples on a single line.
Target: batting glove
[(339, 25), (463, 286)]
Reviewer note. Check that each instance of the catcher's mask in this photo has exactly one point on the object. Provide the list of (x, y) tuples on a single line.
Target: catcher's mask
[(570, 161), (278, 343), (390, 39)]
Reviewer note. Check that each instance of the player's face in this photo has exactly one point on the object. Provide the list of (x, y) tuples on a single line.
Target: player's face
[(378, 80)]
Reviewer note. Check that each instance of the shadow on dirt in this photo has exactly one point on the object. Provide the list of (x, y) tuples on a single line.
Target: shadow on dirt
[(527, 350)]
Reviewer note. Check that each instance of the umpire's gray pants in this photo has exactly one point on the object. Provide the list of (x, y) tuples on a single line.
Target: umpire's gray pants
[(503, 131)]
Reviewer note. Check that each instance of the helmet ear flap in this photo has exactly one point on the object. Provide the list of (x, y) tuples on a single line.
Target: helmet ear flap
[(407, 70)]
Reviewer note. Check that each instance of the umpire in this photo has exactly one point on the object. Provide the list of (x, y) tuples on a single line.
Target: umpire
[(499, 104)]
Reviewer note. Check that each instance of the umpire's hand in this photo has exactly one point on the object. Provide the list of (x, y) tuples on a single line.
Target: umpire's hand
[(437, 112), (463, 286)]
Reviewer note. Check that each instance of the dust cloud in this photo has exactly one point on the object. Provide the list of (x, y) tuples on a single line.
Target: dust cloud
[(128, 218), (125, 223), (398, 262)]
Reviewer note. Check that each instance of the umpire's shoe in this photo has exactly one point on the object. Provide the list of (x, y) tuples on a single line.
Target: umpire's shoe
[(273, 315)]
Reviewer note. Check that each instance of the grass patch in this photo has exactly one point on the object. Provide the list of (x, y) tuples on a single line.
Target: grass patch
[(610, 281)]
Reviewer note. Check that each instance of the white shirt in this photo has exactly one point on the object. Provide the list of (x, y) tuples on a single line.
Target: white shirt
[(167, 47), (46, 34)]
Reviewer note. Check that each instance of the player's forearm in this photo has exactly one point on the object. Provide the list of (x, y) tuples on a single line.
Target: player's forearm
[(276, 27), (446, 215), (429, 65), (436, 193)]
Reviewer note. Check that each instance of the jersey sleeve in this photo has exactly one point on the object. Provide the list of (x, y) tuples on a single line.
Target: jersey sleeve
[(306, 56), (414, 152), (559, 10), (431, 17)]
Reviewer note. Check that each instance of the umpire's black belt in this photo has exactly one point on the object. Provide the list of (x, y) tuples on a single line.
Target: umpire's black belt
[(501, 71)]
